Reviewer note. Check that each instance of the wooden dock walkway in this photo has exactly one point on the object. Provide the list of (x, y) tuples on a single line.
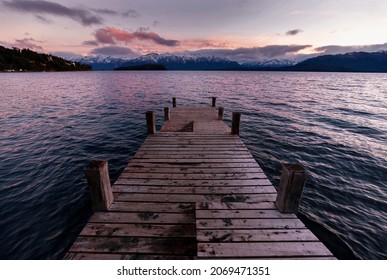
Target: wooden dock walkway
[(194, 191)]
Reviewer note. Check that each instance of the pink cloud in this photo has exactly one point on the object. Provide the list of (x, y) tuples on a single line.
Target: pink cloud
[(112, 35)]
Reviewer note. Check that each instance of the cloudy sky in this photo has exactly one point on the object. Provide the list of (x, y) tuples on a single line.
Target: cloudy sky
[(236, 29)]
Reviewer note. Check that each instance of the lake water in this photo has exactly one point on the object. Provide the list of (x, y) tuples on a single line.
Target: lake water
[(52, 124)]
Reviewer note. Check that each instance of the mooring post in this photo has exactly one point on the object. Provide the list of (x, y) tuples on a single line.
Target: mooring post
[(167, 115), (236, 119), (174, 102), (213, 101), (97, 175), (220, 113), (150, 122), (293, 178)]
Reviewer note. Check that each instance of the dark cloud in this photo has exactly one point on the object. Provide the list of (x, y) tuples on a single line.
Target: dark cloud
[(256, 53), (114, 51), (280, 50), (43, 19), (127, 14), (336, 49), (90, 43), (82, 16), (143, 29), (112, 35), (26, 43), (131, 14), (156, 23), (293, 32), (106, 12)]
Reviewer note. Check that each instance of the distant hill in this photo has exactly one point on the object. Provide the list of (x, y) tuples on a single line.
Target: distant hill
[(15, 60), (349, 62)]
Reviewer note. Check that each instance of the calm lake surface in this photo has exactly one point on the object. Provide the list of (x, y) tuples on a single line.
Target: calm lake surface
[(52, 124)]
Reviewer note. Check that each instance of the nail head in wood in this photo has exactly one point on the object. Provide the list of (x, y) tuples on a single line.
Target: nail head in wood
[(293, 179), (150, 122), (236, 119), (220, 113), (98, 180), (167, 115)]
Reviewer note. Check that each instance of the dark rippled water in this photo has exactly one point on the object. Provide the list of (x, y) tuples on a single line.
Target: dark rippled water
[(52, 124)]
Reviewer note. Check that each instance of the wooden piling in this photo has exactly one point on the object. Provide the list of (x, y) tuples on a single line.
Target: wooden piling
[(292, 183), (98, 180), (220, 113), (150, 122), (167, 114), (174, 102), (213, 101), (236, 119)]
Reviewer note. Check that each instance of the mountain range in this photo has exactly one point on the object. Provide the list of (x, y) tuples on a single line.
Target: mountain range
[(180, 62), (349, 62)]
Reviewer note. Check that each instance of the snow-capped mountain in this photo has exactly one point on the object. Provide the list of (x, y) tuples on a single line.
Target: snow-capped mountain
[(100, 62), (270, 63), (179, 62)]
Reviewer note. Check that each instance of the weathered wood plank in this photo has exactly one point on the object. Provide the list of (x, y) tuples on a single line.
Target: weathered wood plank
[(159, 152), (196, 165), (193, 154), (255, 235), (193, 197), (107, 256), (142, 217), (194, 190), (174, 155), (135, 245), (191, 170), (192, 176), (152, 207), (263, 249), (235, 205), (190, 182), (269, 258), (191, 141), (139, 230), (188, 149), (243, 223), (191, 161), (248, 214)]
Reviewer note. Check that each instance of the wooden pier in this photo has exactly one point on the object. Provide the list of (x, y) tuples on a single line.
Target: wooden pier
[(194, 191)]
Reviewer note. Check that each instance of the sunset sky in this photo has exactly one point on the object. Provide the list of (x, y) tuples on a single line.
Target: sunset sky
[(239, 29)]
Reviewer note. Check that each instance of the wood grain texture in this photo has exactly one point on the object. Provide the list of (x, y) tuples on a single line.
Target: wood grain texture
[(263, 249)]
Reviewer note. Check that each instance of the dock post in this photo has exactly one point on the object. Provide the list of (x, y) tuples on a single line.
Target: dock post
[(236, 119), (220, 113), (167, 114), (97, 175), (213, 101), (293, 178), (150, 122), (174, 102)]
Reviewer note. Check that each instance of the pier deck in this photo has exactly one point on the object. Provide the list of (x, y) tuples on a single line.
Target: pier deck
[(194, 191)]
